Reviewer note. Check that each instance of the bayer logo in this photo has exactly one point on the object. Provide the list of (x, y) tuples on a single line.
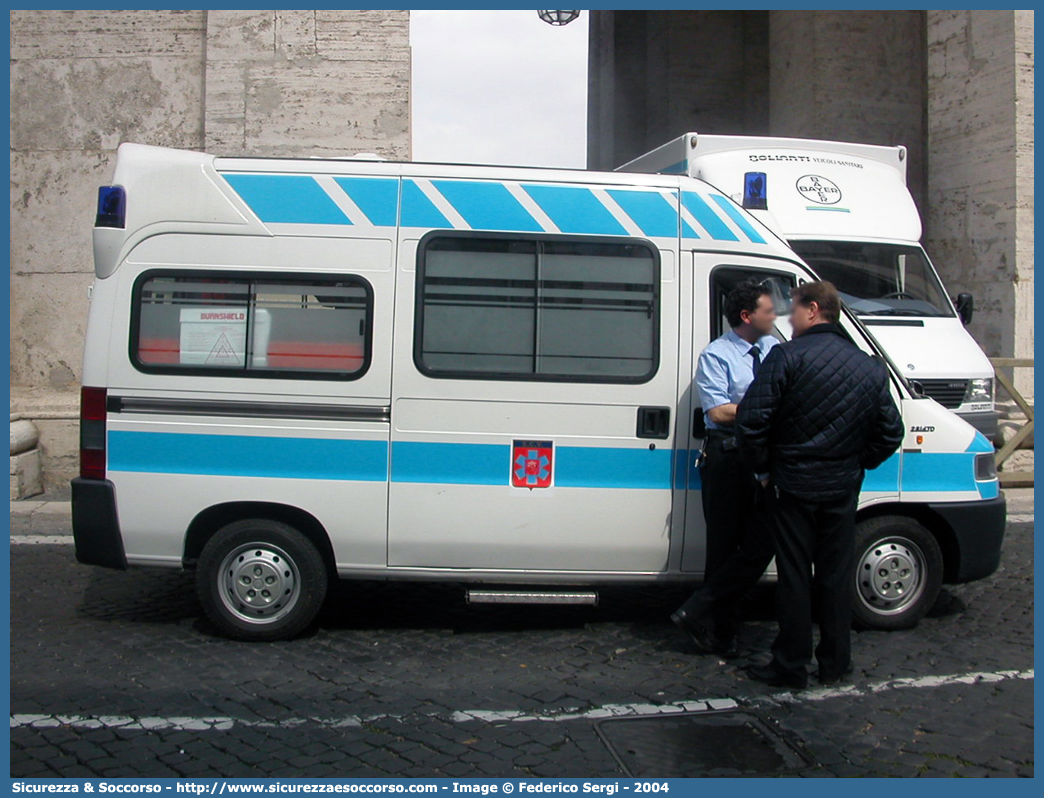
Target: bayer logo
[(818, 189)]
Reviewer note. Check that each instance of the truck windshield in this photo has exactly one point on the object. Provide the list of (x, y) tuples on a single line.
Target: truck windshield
[(878, 279)]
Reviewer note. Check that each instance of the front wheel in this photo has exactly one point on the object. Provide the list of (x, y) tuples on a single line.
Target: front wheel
[(898, 573), (260, 580)]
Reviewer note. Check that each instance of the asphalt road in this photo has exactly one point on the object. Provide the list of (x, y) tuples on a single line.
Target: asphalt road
[(116, 674)]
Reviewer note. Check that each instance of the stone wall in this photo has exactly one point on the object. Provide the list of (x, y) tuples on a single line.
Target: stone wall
[(308, 82), (232, 82), (82, 82)]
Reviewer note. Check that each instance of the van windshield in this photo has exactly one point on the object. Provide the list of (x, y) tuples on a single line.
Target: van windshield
[(878, 279)]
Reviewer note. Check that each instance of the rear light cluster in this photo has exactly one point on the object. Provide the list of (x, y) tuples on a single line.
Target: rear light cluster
[(92, 433)]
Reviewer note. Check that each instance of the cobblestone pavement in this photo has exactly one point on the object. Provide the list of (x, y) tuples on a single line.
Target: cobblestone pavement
[(116, 674)]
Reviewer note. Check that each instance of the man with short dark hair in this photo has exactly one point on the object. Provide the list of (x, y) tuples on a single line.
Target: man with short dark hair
[(739, 545), (819, 414)]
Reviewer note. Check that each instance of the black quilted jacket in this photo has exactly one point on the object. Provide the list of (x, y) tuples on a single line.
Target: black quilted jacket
[(818, 413)]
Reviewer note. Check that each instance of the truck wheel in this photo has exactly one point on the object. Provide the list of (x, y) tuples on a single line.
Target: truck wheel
[(260, 580), (898, 573)]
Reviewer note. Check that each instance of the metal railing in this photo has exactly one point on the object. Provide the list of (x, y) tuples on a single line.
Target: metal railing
[(1014, 479)]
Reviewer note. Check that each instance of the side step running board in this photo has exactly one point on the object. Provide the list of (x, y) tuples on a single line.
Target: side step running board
[(532, 597)]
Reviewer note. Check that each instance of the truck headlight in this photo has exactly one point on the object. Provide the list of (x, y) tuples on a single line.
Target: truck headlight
[(985, 467), (979, 390)]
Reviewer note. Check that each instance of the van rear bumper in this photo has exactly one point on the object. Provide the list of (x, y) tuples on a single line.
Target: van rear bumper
[(979, 530), (96, 526)]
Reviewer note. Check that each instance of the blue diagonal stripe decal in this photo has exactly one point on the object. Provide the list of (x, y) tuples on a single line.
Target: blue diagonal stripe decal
[(487, 206), (287, 199), (737, 216), (575, 210), (650, 210), (418, 210), (377, 197), (708, 219)]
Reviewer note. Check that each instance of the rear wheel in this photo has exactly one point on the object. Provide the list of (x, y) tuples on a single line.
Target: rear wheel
[(898, 572), (260, 580)]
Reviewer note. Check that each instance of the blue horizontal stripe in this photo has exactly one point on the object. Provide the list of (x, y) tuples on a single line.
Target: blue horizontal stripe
[(248, 456), (979, 443), (574, 209), (451, 463), (287, 199), (738, 217), (680, 168), (377, 197), (650, 210), (487, 205), (477, 464), (937, 471), (490, 464), (884, 478), (590, 467), (708, 219), (988, 490)]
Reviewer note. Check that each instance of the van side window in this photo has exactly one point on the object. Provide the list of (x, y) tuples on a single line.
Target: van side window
[(725, 278), (537, 309), (262, 326)]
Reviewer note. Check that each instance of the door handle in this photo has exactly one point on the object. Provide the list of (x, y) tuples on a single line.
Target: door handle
[(654, 422)]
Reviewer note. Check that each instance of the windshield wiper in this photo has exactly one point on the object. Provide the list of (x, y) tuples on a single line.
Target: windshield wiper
[(891, 312)]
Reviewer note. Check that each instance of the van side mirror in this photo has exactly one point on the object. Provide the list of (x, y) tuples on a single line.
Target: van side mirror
[(965, 308)]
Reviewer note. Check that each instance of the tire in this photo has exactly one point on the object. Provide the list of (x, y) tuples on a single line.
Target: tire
[(898, 573), (260, 580)]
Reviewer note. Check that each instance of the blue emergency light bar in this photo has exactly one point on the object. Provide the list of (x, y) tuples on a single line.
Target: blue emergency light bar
[(755, 191), (112, 207)]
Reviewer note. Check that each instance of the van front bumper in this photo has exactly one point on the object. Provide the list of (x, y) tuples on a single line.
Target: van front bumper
[(96, 526), (979, 531)]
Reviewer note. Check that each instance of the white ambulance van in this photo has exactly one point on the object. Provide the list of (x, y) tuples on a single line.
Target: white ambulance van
[(297, 370), (846, 210)]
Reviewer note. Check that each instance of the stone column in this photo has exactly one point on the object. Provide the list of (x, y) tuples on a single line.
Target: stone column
[(851, 76), (980, 189), (655, 75)]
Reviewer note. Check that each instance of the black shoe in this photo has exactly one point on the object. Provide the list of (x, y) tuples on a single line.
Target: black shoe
[(698, 633), (727, 647), (767, 674), (829, 678)]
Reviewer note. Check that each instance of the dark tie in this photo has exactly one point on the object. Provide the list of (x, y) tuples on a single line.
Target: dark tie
[(756, 354)]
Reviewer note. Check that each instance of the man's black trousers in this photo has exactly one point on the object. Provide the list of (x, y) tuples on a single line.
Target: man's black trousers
[(819, 533), (739, 538)]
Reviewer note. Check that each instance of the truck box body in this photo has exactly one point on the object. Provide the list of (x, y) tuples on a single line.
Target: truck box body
[(845, 208)]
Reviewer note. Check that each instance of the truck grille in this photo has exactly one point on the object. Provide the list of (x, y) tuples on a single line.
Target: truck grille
[(948, 393)]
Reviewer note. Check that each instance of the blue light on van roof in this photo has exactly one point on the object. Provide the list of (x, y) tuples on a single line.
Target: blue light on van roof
[(112, 207), (755, 191)]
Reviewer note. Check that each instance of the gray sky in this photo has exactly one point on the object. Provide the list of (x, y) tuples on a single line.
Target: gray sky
[(499, 87)]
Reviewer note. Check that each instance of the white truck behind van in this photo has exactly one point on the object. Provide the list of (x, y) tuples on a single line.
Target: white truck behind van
[(303, 369), (846, 210)]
